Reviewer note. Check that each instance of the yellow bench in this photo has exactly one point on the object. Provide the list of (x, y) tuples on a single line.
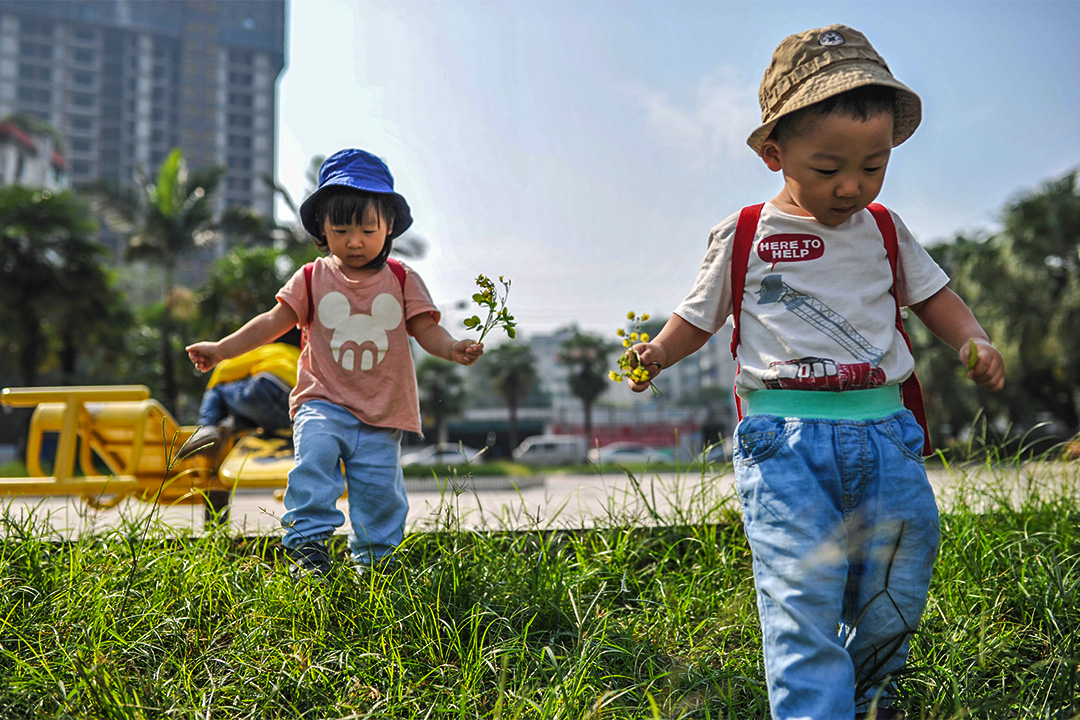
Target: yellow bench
[(118, 426)]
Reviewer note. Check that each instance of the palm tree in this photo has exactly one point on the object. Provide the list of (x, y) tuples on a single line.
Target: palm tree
[(48, 271), (442, 392), (585, 356), (512, 369), (163, 219)]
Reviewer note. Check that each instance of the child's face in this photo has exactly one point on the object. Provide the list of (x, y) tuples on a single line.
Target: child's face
[(357, 243), (833, 167)]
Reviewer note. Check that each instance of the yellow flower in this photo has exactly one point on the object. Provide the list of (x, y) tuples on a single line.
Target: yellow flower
[(630, 315), (615, 376), (645, 317), (626, 343), (644, 337), (620, 332), (633, 337)]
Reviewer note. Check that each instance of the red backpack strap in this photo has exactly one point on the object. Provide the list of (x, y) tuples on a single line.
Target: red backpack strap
[(745, 230), (910, 389), (305, 330), (399, 272)]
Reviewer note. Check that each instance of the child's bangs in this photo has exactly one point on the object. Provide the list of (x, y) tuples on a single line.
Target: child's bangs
[(354, 207)]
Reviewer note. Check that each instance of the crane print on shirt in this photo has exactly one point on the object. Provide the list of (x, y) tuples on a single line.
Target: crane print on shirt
[(367, 332), (814, 373)]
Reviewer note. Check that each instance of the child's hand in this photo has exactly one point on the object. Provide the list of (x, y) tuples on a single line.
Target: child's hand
[(988, 369), (466, 352), (653, 357), (204, 355)]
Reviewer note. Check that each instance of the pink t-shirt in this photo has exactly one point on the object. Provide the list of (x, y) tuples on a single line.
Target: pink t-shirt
[(358, 355)]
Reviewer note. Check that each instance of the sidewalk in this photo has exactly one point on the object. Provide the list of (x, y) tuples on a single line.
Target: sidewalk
[(543, 503)]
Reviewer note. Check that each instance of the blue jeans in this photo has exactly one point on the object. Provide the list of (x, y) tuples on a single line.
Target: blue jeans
[(327, 436), (254, 402), (843, 529)]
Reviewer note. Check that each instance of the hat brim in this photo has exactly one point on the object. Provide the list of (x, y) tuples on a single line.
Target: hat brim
[(840, 78), (402, 215)]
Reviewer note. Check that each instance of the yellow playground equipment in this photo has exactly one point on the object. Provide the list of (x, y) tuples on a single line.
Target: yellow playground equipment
[(128, 445)]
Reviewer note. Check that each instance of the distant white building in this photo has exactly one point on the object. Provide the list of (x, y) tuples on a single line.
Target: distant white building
[(30, 159)]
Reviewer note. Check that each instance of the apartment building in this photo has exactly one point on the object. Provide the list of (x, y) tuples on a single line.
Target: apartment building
[(126, 81)]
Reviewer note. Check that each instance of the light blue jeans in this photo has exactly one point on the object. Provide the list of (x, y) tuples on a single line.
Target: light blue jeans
[(843, 529), (326, 437)]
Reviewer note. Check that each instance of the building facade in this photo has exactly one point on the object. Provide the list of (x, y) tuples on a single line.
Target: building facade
[(126, 81), (30, 158)]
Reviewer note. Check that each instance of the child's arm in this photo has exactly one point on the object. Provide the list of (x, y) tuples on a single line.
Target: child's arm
[(677, 340), (257, 331), (436, 341), (950, 319)]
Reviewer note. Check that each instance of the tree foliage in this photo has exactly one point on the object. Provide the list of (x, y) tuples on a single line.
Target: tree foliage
[(442, 392), (163, 218), (512, 369), (1023, 284), (56, 298), (586, 359)]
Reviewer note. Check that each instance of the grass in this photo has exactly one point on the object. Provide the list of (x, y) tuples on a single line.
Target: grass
[(632, 619)]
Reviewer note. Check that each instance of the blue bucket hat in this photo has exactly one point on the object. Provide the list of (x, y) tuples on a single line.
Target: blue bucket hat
[(362, 171)]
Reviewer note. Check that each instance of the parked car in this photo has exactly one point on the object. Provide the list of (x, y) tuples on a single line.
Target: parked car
[(442, 454), (551, 450), (625, 453)]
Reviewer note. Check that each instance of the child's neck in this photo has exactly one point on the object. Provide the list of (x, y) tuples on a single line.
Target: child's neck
[(355, 274)]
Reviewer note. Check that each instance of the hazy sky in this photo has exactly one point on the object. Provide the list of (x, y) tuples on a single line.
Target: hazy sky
[(585, 149)]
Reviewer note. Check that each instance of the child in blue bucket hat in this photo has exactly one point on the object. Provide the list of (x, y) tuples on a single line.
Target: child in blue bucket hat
[(356, 384)]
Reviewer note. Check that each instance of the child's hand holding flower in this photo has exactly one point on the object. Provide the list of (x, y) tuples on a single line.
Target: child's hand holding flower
[(639, 364), (497, 315)]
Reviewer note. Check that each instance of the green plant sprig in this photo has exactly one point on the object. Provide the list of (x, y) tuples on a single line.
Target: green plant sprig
[(497, 315), (630, 365)]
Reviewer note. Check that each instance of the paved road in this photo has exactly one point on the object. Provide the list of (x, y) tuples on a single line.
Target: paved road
[(550, 502)]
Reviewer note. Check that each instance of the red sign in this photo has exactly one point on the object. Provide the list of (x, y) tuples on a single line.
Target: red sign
[(790, 247)]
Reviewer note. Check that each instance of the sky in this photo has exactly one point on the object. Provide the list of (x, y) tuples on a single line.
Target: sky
[(584, 149)]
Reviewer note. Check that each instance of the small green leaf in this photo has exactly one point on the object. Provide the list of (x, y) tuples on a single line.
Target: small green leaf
[(973, 355), (511, 333), (472, 322)]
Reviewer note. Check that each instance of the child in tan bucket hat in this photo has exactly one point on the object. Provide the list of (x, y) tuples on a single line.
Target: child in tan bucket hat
[(829, 470)]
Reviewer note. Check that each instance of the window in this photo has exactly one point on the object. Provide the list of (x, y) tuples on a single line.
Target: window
[(80, 122), (34, 95), (29, 49), (238, 120), (34, 73), (32, 26), (83, 56), (240, 99)]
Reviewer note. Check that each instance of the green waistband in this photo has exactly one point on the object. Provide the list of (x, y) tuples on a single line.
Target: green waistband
[(827, 405)]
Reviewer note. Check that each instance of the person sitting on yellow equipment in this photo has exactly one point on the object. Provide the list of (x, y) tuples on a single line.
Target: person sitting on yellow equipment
[(245, 392)]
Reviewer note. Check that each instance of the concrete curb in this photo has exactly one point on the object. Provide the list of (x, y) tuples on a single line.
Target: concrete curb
[(495, 483)]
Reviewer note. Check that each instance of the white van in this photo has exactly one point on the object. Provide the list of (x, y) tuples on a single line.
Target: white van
[(540, 450)]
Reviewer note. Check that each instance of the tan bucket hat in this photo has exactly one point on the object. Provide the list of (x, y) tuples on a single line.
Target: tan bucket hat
[(811, 66)]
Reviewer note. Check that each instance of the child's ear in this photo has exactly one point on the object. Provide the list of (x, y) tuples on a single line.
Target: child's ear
[(770, 153)]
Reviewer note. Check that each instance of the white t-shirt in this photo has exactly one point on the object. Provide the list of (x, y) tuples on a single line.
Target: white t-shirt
[(817, 311)]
